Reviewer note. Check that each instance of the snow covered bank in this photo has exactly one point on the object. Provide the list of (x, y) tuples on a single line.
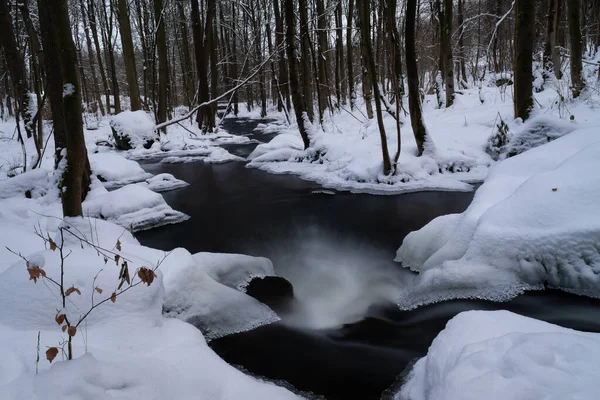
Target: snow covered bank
[(132, 206), (533, 223), (501, 355), (345, 152), (125, 348)]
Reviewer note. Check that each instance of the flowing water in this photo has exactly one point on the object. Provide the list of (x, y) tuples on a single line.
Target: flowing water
[(343, 338)]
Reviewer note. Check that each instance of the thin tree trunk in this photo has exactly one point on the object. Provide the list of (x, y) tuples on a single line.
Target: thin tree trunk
[(523, 97), (549, 47), (128, 55), (412, 76), (305, 71), (573, 9), (366, 78), (297, 99), (322, 52), (163, 70), (461, 44), (365, 40), (283, 65), (448, 62), (340, 81), (556, 64), (349, 51)]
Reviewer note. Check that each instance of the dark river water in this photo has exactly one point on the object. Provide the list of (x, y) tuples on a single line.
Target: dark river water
[(344, 338)]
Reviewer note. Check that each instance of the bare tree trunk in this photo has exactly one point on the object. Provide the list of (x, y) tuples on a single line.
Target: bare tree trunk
[(187, 72), (128, 55), (90, 52), (16, 65), (340, 81), (283, 65), (549, 47), (447, 44), (412, 76), (461, 44), (366, 78), (163, 69), (369, 65), (212, 42), (573, 8), (305, 71), (54, 20), (349, 56), (205, 122), (556, 64), (109, 49), (322, 54), (523, 97), (396, 75), (297, 98)]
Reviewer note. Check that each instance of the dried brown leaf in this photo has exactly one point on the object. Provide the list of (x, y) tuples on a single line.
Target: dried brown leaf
[(35, 272), (52, 244), (60, 318), (117, 258), (71, 290), (64, 328), (554, 189), (118, 245), (146, 275), (51, 354), (72, 330), (97, 289), (113, 297)]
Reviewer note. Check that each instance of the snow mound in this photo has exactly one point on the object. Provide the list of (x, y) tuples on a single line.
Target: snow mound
[(217, 310), (32, 183), (133, 129), (163, 183), (533, 223), (115, 170), (535, 132), (500, 355), (132, 206), (234, 270)]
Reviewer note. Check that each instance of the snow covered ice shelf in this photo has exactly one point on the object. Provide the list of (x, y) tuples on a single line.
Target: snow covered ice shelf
[(535, 222), (498, 355)]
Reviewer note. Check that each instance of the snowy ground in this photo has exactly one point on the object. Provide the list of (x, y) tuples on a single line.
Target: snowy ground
[(144, 345), (125, 349), (500, 355), (345, 154)]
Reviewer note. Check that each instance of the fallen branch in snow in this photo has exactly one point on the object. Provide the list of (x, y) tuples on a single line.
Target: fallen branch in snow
[(216, 99)]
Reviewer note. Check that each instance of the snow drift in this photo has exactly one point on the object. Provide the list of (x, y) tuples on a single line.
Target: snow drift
[(499, 355), (533, 223)]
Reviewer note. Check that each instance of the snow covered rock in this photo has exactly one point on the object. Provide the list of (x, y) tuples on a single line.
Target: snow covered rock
[(132, 206), (163, 183), (533, 223), (132, 129), (234, 270), (498, 355), (217, 310), (115, 170)]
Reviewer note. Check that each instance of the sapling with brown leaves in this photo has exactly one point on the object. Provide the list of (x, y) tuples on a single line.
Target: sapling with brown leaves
[(69, 322)]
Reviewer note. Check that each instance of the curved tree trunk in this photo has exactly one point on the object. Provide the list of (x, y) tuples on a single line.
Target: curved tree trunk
[(297, 98), (369, 65), (412, 76)]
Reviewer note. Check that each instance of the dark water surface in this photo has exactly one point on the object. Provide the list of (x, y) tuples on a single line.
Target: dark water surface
[(346, 340)]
